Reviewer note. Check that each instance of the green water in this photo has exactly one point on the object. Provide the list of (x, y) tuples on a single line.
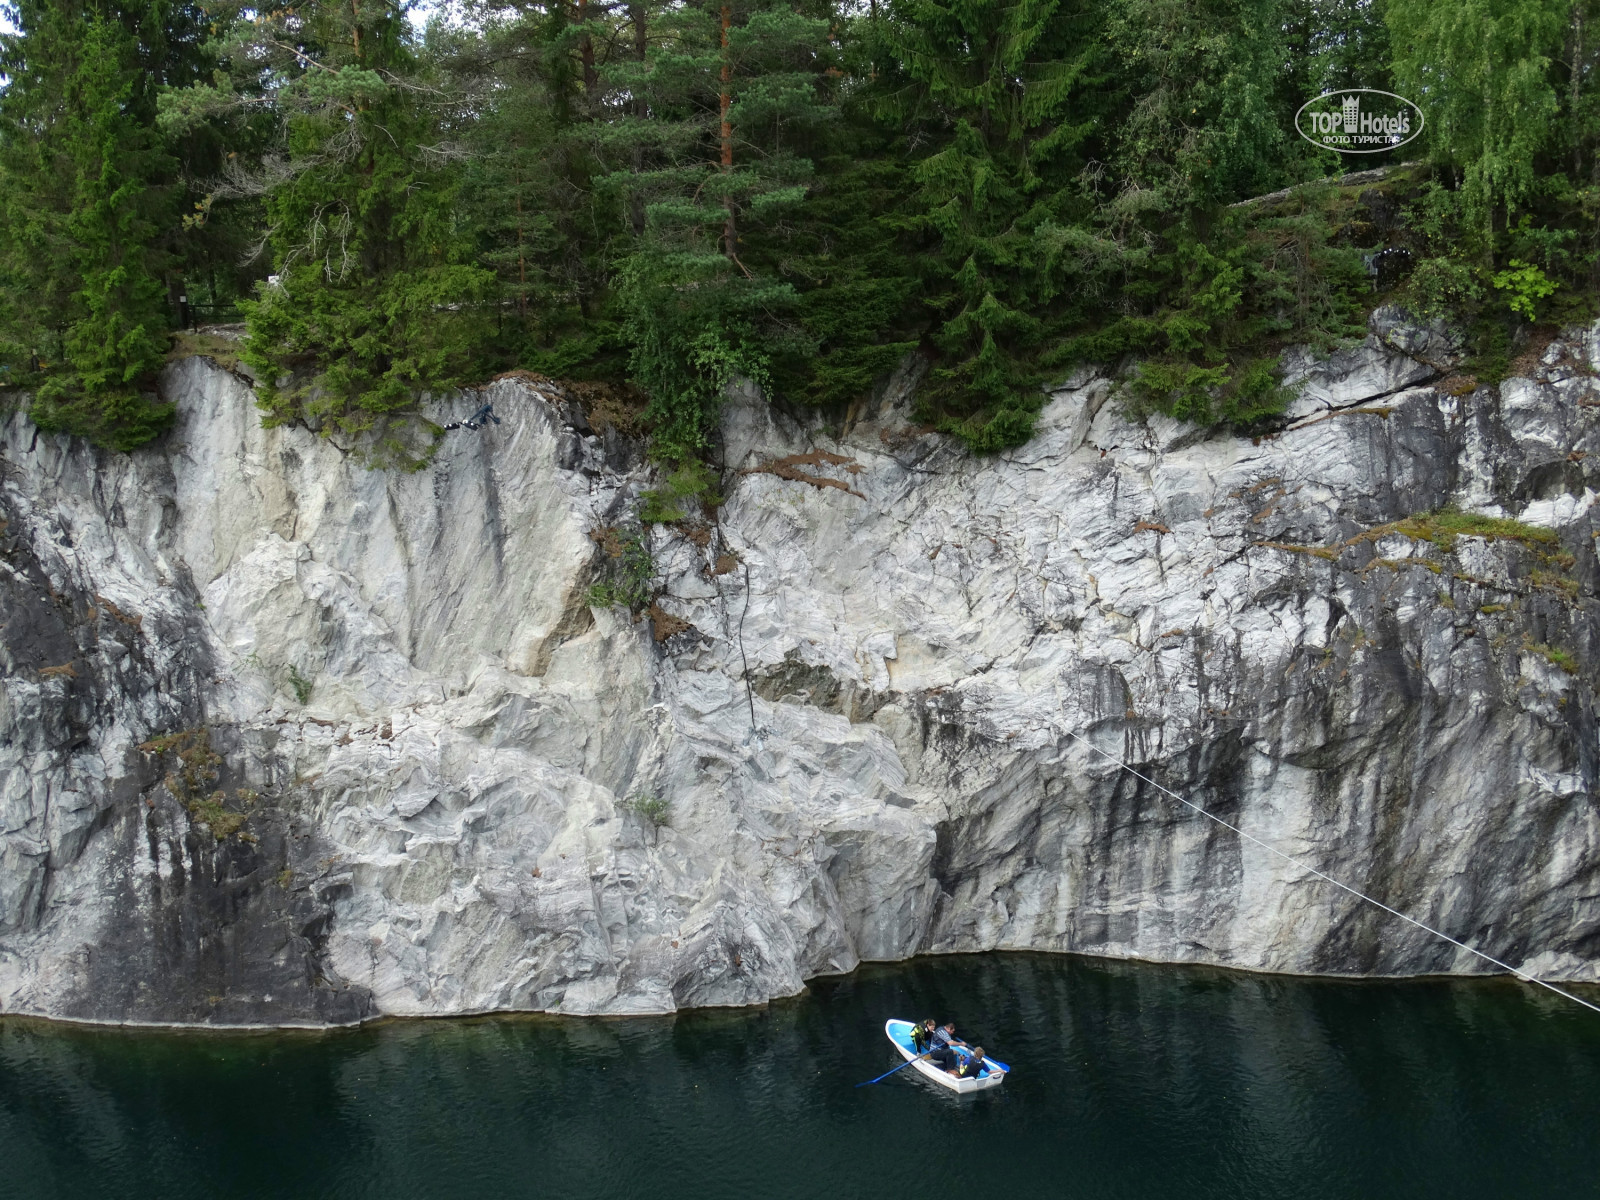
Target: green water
[(1128, 1081)]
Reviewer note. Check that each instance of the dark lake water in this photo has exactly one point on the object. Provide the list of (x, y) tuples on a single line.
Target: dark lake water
[(1128, 1081)]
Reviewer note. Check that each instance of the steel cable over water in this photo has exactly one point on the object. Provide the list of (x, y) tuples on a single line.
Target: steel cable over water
[(1307, 867)]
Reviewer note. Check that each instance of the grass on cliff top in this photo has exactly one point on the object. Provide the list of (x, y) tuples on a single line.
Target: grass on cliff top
[(223, 349)]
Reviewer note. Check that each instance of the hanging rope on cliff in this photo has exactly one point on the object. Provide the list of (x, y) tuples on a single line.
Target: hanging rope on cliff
[(756, 732), (1326, 878), (749, 692)]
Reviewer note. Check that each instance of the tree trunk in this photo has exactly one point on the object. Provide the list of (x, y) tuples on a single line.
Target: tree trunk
[(1573, 91), (591, 77), (730, 231), (641, 110), (522, 262), (637, 18)]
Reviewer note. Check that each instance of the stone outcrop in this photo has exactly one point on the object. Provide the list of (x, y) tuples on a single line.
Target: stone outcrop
[(285, 740)]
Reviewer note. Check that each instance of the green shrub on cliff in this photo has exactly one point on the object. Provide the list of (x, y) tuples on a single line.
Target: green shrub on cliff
[(1238, 395), (375, 296)]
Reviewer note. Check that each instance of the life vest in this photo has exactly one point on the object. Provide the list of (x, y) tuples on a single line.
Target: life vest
[(971, 1066), (919, 1038)]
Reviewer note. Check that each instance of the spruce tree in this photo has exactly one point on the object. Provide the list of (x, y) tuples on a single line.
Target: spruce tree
[(375, 296), (1013, 85), (536, 147), (1202, 126), (85, 200), (851, 260), (37, 280)]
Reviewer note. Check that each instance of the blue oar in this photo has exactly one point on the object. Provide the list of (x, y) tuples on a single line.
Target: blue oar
[(909, 1061), (886, 1074)]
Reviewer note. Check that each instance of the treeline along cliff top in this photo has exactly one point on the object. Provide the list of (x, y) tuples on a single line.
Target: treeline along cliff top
[(655, 198)]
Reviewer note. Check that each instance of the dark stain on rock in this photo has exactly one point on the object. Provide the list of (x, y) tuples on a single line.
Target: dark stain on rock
[(797, 682)]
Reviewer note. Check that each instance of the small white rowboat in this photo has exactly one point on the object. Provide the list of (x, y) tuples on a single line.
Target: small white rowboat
[(992, 1074)]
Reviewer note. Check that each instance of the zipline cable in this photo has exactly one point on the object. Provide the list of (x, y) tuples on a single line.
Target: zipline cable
[(1304, 866)]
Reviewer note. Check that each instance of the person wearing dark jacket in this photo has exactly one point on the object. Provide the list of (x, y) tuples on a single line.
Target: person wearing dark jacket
[(922, 1036), (945, 1045), (970, 1068)]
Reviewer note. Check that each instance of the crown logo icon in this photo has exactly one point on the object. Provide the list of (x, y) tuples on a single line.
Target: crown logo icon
[(1352, 113)]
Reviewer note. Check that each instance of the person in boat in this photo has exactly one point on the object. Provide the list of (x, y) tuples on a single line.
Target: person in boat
[(946, 1047), (922, 1036), (971, 1065)]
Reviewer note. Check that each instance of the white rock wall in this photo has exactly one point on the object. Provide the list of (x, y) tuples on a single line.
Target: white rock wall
[(439, 826)]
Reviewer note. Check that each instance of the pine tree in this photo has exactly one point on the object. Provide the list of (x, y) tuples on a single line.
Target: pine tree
[(790, 191), (218, 238), (728, 88)]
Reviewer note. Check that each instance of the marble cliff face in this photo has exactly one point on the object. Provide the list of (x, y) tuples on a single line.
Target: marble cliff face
[(284, 740)]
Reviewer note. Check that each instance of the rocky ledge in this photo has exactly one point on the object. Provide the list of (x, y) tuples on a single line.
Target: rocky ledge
[(284, 740)]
